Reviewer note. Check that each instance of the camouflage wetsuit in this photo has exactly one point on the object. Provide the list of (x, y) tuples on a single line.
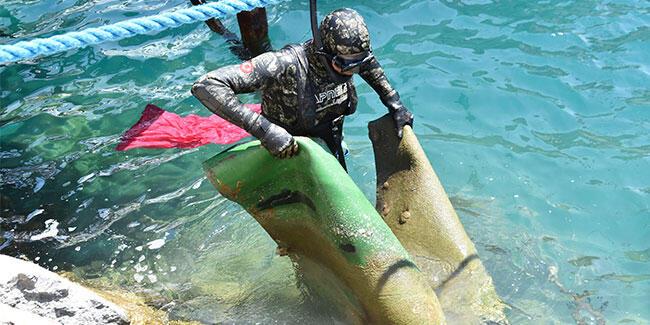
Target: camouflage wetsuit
[(298, 93)]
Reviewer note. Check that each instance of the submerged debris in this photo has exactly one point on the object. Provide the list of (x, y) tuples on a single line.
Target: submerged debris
[(582, 302)]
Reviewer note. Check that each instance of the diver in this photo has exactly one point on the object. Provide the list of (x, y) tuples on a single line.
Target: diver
[(306, 89)]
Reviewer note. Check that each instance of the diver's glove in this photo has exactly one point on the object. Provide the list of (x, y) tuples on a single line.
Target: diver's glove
[(401, 115), (279, 142), (274, 138)]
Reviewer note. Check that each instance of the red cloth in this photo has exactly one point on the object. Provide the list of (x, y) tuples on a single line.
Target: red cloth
[(158, 128)]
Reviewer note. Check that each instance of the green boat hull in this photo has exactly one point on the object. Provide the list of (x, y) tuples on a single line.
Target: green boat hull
[(342, 248)]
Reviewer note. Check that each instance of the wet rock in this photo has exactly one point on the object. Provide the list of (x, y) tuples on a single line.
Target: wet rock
[(28, 291), (11, 315)]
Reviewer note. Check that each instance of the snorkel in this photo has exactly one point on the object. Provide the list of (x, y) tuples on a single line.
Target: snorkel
[(318, 47)]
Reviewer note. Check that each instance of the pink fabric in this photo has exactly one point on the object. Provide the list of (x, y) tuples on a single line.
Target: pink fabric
[(158, 128)]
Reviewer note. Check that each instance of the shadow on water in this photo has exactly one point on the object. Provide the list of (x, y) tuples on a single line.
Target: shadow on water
[(40, 171), (31, 223)]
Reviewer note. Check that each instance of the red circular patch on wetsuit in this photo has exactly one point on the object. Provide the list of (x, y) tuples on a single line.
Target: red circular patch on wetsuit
[(246, 67)]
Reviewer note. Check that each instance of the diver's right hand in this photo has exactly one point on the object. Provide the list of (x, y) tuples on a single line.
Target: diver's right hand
[(279, 142)]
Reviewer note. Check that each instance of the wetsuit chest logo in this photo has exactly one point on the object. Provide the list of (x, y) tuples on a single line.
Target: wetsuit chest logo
[(330, 97)]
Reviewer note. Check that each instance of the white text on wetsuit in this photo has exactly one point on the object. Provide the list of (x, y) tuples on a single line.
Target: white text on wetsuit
[(339, 93)]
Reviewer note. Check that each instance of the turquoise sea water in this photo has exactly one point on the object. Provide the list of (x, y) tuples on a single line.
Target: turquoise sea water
[(534, 114)]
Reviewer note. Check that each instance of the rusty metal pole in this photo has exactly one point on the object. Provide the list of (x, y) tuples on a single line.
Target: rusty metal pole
[(216, 26), (254, 29)]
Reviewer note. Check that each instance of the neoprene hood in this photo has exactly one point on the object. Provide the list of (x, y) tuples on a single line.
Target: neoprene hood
[(343, 32)]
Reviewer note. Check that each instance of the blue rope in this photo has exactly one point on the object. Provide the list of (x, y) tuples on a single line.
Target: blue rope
[(46, 46)]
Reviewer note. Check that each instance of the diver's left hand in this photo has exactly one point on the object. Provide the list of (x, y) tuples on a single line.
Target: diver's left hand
[(402, 117)]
